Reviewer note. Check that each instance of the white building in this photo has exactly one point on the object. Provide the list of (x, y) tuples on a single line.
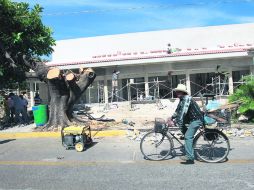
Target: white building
[(196, 53)]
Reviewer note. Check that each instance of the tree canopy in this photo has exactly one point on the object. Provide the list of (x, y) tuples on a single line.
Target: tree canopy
[(23, 38), (21, 33)]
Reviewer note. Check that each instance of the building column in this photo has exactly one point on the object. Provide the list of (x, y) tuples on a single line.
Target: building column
[(120, 90), (146, 86), (230, 82), (105, 88), (31, 84), (188, 83)]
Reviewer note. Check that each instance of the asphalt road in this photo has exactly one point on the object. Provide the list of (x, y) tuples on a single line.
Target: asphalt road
[(116, 163)]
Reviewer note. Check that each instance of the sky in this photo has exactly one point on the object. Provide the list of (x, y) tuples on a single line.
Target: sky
[(83, 18)]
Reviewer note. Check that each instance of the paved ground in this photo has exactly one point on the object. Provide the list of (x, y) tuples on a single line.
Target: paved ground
[(116, 163), (28, 161), (40, 149)]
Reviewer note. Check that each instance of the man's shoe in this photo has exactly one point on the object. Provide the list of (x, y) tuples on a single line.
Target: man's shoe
[(186, 160)]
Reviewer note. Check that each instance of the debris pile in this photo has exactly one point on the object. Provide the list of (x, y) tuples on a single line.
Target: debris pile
[(239, 132)]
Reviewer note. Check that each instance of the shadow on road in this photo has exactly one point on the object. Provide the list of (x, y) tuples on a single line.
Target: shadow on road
[(6, 141), (91, 145)]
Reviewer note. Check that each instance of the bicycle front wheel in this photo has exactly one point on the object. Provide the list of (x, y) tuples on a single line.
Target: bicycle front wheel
[(211, 146), (156, 146)]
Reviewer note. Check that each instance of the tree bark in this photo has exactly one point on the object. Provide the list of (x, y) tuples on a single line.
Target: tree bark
[(64, 94), (64, 91)]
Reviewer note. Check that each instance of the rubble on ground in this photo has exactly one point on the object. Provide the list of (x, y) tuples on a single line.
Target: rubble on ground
[(137, 122)]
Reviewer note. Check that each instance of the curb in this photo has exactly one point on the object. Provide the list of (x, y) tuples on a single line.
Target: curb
[(19, 135)]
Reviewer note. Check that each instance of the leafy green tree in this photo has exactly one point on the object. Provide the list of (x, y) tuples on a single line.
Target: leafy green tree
[(23, 39), (245, 95), (21, 33)]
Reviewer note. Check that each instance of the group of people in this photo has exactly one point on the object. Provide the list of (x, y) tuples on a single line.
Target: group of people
[(15, 108)]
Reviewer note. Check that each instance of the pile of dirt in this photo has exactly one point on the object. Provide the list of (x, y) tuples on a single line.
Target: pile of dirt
[(125, 116), (141, 114)]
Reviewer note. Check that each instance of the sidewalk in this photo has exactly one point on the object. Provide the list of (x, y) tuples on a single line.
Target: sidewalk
[(28, 131)]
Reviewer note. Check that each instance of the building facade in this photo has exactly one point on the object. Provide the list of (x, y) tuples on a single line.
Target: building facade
[(207, 59)]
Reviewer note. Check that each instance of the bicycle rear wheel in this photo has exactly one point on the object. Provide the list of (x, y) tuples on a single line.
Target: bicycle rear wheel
[(156, 146), (211, 146)]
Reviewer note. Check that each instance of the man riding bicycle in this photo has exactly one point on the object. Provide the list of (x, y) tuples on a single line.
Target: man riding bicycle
[(187, 112)]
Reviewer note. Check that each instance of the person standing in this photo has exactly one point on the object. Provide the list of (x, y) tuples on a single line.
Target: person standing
[(24, 112), (24, 94), (19, 109), (37, 99), (6, 109), (24, 101), (187, 112), (11, 107)]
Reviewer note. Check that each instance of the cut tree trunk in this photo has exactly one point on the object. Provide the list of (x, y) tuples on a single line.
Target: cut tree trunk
[(64, 91)]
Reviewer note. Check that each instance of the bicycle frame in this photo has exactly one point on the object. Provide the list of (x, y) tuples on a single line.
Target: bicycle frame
[(200, 130), (174, 137)]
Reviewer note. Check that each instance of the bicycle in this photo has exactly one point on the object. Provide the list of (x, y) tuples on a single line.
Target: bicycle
[(210, 145)]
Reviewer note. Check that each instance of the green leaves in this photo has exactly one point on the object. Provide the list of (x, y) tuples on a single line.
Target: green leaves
[(17, 37), (22, 29), (22, 33), (245, 93)]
